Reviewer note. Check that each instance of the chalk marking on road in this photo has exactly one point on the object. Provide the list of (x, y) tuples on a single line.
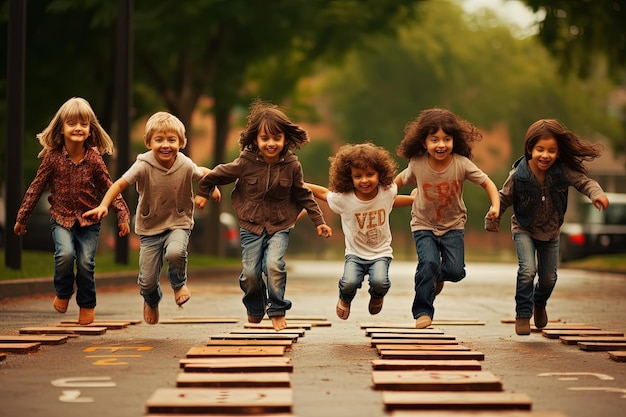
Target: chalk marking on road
[(605, 389), (111, 359), (84, 382), (571, 376), (73, 396), (113, 349)]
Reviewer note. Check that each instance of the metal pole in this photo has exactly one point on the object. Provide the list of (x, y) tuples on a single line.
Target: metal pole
[(16, 52)]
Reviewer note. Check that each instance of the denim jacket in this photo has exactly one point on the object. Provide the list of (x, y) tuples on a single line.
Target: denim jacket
[(528, 196)]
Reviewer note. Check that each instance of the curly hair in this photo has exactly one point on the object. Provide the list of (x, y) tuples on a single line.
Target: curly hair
[(361, 156), (429, 122), (76, 108), (267, 116), (573, 151)]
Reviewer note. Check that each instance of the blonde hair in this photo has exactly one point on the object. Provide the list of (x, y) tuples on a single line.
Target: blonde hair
[(165, 122), (51, 138)]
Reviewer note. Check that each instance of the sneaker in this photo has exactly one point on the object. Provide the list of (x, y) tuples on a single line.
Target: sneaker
[(423, 322), (540, 316), (522, 326)]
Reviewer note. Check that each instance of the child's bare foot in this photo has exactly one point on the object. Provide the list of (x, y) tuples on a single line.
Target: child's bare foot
[(279, 322), (150, 314)]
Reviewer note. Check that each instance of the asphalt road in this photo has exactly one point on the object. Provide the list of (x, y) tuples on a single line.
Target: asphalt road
[(332, 365)]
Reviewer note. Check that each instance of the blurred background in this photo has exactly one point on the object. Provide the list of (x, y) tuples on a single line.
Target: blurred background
[(348, 71)]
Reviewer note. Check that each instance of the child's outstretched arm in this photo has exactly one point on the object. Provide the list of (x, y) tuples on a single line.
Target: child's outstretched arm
[(103, 209), (402, 200), (494, 196), (317, 190)]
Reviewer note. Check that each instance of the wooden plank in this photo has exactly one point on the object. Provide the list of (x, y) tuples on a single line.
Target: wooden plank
[(411, 336), (220, 400), (555, 334), (199, 320), (564, 326), (377, 342), (394, 400), (236, 361), (601, 346), (473, 413), (573, 340), (618, 356), (128, 322), (107, 325), (436, 322), (221, 351), (400, 330), (422, 347), (295, 332), (290, 325), (426, 365), (255, 336), (43, 339), (247, 342), (309, 319), (430, 354), (436, 381), (233, 380), (81, 330), (19, 347)]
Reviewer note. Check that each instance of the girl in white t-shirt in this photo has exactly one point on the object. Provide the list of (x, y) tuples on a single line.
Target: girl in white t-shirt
[(362, 191), (438, 146)]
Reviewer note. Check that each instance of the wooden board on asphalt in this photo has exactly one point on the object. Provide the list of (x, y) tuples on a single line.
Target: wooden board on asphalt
[(618, 356), (601, 346), (43, 339), (199, 320), (220, 400), (564, 326), (382, 330), (255, 336), (268, 325), (81, 330), (377, 342), (430, 354), (394, 400), (573, 340), (555, 334), (248, 342), (301, 318), (222, 351), (237, 364), (108, 325), (128, 322), (295, 332), (411, 325), (436, 381), (422, 347), (411, 336), (499, 413), (233, 380), (426, 365), (19, 347)]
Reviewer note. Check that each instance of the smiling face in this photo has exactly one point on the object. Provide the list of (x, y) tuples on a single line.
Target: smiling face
[(543, 155), (365, 182), (164, 147), (270, 145), (439, 147), (75, 131)]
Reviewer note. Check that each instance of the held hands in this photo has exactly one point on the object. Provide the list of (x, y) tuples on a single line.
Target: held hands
[(493, 213), (324, 230), (97, 213), (200, 202)]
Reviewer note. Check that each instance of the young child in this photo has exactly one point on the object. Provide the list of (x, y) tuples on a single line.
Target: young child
[(362, 191), (268, 196), (164, 180), (537, 187), (73, 169), (438, 146)]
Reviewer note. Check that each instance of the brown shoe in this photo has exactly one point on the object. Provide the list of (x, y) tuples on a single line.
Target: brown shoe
[(150, 314), (342, 310), (254, 319), (86, 315), (375, 305), (60, 304), (422, 322), (182, 295), (540, 316), (522, 326)]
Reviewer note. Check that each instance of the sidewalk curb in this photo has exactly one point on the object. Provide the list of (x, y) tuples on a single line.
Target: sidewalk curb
[(35, 286)]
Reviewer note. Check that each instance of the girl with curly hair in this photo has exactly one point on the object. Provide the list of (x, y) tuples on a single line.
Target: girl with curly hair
[(362, 191), (438, 145)]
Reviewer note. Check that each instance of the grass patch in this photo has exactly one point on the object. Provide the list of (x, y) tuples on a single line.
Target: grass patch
[(37, 264), (608, 263)]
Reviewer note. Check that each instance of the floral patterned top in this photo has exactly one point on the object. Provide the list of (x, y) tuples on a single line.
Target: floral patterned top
[(74, 189)]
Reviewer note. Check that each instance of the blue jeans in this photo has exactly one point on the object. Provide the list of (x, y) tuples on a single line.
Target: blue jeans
[(528, 294), (75, 246), (170, 246), (354, 271), (264, 254), (440, 258)]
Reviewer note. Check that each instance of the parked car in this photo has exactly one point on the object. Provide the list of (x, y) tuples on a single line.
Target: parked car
[(599, 231)]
